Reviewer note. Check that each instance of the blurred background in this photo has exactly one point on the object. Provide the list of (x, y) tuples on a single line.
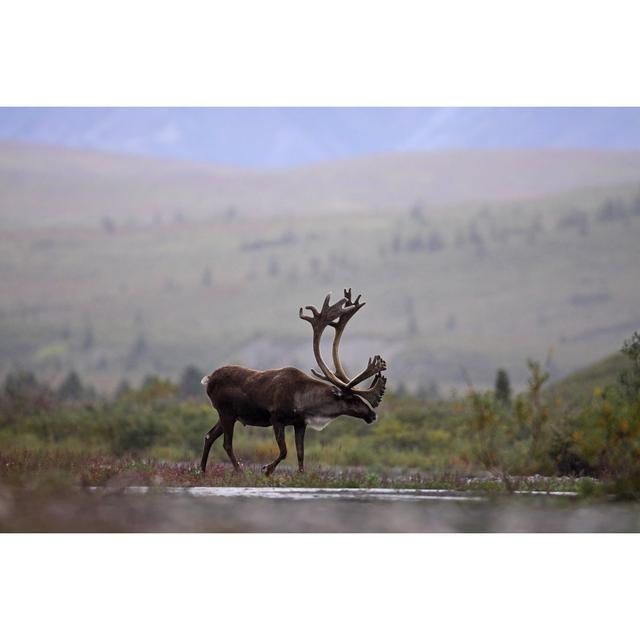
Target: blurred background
[(139, 241)]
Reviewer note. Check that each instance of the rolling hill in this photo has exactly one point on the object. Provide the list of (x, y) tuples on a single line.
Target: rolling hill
[(43, 186), (579, 386), (120, 266)]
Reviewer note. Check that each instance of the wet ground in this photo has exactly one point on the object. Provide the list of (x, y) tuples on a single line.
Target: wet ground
[(246, 509)]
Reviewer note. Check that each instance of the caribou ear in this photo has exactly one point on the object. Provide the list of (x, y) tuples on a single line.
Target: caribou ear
[(337, 392)]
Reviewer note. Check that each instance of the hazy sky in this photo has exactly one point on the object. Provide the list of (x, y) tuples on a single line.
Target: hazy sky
[(276, 137)]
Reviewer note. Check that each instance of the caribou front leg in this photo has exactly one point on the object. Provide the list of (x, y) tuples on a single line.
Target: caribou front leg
[(278, 431), (300, 431)]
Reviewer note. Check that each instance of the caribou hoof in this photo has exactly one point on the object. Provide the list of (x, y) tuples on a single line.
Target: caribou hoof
[(267, 469)]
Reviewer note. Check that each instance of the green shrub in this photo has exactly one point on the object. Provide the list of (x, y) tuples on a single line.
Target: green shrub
[(607, 435)]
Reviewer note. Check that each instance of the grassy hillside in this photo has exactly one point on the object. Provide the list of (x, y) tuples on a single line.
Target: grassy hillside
[(578, 387), (121, 267)]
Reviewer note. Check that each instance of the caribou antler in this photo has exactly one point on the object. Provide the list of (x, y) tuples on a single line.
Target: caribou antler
[(376, 365), (373, 395), (319, 320), (349, 311), (337, 316)]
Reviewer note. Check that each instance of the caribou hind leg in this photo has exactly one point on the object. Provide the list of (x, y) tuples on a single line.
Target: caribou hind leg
[(212, 435), (227, 445), (278, 431)]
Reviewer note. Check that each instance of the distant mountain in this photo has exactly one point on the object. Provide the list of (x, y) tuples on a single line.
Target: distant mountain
[(283, 137), (41, 185)]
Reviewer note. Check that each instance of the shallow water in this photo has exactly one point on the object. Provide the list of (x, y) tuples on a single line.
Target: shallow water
[(305, 493), (273, 509)]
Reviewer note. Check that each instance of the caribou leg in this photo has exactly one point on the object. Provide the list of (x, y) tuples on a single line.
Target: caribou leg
[(228, 441), (300, 429), (212, 435), (278, 431)]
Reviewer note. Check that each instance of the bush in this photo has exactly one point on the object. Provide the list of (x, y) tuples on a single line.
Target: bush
[(606, 435), (190, 385), (630, 379), (134, 432), (503, 388)]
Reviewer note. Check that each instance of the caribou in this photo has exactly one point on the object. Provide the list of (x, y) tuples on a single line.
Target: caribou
[(289, 397)]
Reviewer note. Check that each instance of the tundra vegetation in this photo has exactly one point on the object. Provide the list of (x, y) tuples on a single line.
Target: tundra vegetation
[(540, 438)]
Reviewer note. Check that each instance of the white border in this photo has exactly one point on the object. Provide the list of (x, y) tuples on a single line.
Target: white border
[(297, 52), (319, 586), (330, 53)]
